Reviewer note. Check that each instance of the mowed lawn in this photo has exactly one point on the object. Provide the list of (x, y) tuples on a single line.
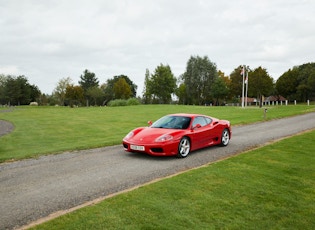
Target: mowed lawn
[(268, 188), (49, 130)]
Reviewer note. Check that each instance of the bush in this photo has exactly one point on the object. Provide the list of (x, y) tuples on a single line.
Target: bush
[(120, 102), (117, 102), (133, 101)]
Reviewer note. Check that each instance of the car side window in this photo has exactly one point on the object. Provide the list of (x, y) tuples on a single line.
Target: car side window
[(208, 120), (199, 120)]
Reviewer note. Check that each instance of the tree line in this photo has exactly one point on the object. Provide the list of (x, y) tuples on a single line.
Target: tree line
[(201, 84)]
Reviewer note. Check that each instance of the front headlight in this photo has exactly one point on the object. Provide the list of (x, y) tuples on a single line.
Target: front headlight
[(163, 138), (129, 135)]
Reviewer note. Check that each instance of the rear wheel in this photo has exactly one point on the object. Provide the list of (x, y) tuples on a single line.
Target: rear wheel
[(225, 138), (183, 147)]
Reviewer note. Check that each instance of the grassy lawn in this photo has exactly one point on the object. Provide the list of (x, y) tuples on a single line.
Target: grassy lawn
[(46, 130), (268, 188)]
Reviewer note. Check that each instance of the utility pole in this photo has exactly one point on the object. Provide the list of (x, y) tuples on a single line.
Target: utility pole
[(243, 74), (246, 82)]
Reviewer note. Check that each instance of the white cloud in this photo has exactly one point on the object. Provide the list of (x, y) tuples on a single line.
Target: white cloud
[(49, 40), (9, 70)]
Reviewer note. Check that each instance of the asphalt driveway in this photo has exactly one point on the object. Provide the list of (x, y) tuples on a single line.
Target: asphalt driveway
[(35, 188)]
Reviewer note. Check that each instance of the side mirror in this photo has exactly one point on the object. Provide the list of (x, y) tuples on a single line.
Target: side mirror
[(150, 123)]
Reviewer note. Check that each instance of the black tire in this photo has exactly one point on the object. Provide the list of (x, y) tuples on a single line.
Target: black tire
[(183, 147), (225, 137)]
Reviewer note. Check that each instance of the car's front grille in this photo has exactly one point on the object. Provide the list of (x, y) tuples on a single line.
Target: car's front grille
[(157, 150)]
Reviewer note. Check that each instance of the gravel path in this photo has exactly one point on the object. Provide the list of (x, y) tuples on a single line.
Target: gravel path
[(5, 127), (36, 188)]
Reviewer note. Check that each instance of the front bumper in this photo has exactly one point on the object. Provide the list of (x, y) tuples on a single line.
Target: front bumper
[(155, 149)]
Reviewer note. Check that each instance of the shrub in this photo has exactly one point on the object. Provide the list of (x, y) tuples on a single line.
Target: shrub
[(133, 101), (120, 102), (117, 102)]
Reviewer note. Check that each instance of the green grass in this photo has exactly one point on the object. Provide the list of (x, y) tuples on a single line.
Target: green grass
[(46, 130), (268, 188)]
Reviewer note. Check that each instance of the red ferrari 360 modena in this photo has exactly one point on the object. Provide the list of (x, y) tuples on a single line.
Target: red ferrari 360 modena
[(178, 135)]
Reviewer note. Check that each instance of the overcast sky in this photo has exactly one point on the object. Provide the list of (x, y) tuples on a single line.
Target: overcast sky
[(47, 40)]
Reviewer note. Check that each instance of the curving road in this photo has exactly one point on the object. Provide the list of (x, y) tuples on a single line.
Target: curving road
[(35, 188)]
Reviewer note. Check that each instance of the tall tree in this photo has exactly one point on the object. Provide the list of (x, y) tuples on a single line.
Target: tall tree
[(122, 89), (236, 84), (18, 91), (96, 94), (35, 93), (287, 84), (298, 83), (109, 89), (146, 93), (162, 84), (219, 90), (199, 77), (88, 79), (60, 90), (181, 93), (74, 95), (260, 83)]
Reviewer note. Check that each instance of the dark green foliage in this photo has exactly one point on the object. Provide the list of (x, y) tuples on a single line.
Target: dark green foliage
[(199, 78), (111, 93), (219, 90), (88, 80), (17, 90), (160, 86), (298, 83), (260, 83)]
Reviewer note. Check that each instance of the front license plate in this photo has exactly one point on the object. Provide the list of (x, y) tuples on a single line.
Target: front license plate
[(137, 147)]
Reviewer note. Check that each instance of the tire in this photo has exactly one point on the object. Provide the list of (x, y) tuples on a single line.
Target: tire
[(183, 147), (225, 137)]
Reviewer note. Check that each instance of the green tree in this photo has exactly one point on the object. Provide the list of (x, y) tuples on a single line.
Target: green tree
[(122, 89), (88, 79), (311, 84), (18, 91), (35, 93), (162, 84), (199, 77), (181, 93), (287, 83), (304, 88), (96, 94), (298, 83), (74, 95), (147, 96), (60, 90), (236, 84), (3, 80), (219, 90), (260, 83), (109, 89)]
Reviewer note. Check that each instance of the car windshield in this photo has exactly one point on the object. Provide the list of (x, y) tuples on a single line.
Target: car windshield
[(172, 122)]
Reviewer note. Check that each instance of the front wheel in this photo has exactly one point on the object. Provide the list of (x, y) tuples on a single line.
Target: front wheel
[(225, 138), (183, 147)]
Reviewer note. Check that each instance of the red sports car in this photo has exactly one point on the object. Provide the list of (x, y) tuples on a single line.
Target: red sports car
[(178, 134)]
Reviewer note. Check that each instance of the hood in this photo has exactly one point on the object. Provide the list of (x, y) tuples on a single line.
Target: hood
[(148, 135)]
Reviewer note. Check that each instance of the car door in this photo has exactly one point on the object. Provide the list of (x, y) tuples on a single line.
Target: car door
[(201, 132)]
